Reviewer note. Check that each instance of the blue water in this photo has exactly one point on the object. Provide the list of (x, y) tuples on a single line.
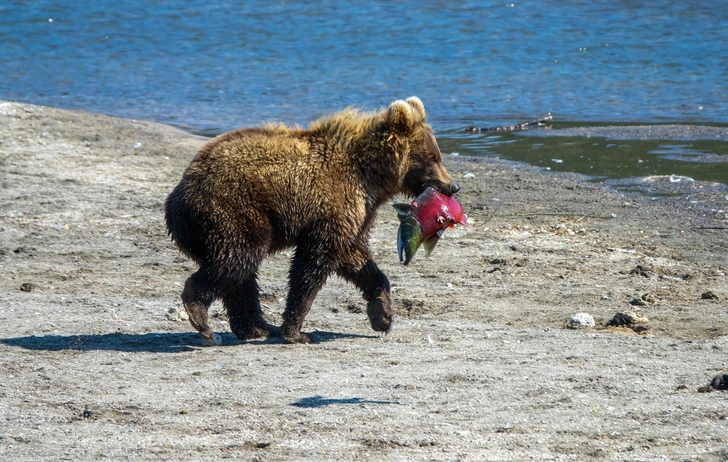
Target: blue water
[(214, 65)]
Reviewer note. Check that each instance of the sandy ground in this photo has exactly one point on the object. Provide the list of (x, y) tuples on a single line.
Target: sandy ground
[(98, 362)]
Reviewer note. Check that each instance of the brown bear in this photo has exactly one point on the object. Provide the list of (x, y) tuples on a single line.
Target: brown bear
[(250, 193)]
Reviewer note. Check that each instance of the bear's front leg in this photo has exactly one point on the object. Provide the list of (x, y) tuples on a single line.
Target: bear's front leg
[(374, 286), (309, 270)]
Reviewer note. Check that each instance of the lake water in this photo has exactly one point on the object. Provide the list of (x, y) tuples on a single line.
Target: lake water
[(209, 66)]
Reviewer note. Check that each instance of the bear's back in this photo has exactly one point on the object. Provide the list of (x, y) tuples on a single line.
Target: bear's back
[(261, 181), (246, 151)]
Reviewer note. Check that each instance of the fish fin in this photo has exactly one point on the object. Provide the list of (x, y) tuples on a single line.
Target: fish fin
[(430, 243), (402, 210)]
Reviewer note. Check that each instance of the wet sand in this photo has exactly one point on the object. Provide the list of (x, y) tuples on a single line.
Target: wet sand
[(641, 132), (481, 364)]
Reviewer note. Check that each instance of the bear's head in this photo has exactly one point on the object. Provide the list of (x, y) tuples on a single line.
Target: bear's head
[(421, 161)]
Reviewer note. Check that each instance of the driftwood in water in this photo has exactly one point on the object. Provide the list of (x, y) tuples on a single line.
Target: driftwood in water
[(513, 128)]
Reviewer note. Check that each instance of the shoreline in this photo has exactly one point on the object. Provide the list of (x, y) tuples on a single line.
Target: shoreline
[(99, 362), (640, 131)]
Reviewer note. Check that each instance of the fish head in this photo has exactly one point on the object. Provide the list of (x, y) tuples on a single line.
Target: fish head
[(409, 238)]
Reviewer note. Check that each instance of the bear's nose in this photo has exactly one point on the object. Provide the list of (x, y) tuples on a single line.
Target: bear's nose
[(454, 188)]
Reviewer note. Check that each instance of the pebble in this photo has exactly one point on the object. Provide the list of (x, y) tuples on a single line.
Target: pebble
[(628, 319), (177, 314), (88, 412), (581, 320), (709, 295), (719, 382), (643, 300)]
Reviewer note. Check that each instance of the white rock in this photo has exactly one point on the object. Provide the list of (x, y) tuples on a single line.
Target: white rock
[(582, 320)]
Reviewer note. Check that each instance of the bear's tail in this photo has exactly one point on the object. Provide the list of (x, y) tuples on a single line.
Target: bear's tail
[(179, 217)]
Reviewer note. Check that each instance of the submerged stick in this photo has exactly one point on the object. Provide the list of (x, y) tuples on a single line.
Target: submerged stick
[(513, 128)]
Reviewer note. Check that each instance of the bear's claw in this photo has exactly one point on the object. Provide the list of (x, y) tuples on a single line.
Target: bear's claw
[(212, 340), (380, 316), (297, 338), (264, 330)]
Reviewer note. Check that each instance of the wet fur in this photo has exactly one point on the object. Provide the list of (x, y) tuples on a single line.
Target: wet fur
[(253, 192)]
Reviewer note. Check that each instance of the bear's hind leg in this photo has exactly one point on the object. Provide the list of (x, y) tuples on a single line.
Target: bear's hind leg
[(244, 313), (197, 297), (309, 270)]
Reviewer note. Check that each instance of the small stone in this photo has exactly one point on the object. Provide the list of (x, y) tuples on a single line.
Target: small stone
[(27, 287), (643, 300), (176, 314), (581, 320), (88, 412), (644, 271), (709, 295), (353, 308), (628, 319), (720, 382)]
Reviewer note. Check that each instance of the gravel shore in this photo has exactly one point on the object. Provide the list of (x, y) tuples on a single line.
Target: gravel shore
[(641, 132), (483, 362)]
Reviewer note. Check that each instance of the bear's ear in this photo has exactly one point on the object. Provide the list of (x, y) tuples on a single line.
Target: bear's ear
[(401, 117), (417, 105)]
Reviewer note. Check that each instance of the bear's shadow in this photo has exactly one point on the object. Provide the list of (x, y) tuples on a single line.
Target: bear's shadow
[(150, 342)]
